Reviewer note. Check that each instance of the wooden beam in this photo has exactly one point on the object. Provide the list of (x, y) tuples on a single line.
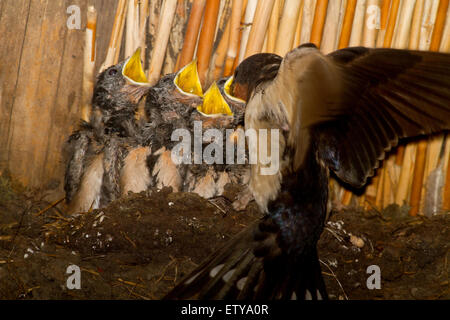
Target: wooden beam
[(162, 38), (259, 27), (207, 34), (89, 63), (287, 27), (347, 24)]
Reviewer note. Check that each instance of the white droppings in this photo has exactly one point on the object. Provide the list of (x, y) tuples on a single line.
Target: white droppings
[(356, 241), (308, 295), (241, 283), (351, 272), (337, 225), (101, 219), (74, 253), (25, 256), (42, 244), (171, 204), (99, 234), (99, 215), (87, 236), (228, 275), (333, 263), (215, 270), (30, 250)]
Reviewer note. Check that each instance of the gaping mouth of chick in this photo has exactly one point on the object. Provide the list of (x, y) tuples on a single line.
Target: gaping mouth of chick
[(132, 70), (187, 80), (228, 93), (214, 104)]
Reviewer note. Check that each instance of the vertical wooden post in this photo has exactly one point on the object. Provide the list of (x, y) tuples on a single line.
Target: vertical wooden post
[(391, 24), (130, 36), (328, 42), (406, 169), (385, 6), (221, 53), (298, 30), (419, 168), (259, 27), (248, 20), (347, 24), (445, 47), (89, 63), (273, 27), (143, 14), (404, 28), (287, 27), (319, 22), (207, 34), (116, 36), (358, 23), (235, 26), (309, 9), (371, 23), (422, 147), (162, 38)]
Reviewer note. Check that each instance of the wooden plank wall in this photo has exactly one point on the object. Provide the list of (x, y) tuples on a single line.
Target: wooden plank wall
[(40, 83)]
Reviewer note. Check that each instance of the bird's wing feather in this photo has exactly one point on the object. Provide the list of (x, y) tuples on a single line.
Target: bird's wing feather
[(359, 102), (76, 156)]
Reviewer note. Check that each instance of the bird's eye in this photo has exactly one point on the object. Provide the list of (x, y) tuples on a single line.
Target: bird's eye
[(112, 72)]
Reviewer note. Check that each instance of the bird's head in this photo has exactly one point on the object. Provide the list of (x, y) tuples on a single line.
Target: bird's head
[(180, 96), (253, 71), (120, 87), (175, 95), (220, 108)]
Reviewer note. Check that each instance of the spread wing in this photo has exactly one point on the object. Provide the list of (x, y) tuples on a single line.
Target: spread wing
[(366, 100)]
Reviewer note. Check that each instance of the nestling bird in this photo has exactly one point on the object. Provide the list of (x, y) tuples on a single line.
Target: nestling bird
[(339, 112), (97, 149), (168, 107)]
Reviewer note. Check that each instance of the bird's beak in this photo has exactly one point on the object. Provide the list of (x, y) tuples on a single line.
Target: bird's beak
[(187, 80), (132, 70), (137, 84), (214, 104), (229, 92)]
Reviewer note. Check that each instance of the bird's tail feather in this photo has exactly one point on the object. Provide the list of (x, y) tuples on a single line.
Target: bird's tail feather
[(234, 272)]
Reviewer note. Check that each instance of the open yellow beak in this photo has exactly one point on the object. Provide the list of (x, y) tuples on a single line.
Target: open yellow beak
[(214, 103), (227, 90), (133, 71), (187, 80)]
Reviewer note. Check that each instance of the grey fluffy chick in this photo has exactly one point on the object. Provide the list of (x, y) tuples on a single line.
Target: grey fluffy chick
[(96, 151)]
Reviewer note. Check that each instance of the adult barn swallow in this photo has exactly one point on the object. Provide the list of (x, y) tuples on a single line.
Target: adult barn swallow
[(339, 112), (96, 150)]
